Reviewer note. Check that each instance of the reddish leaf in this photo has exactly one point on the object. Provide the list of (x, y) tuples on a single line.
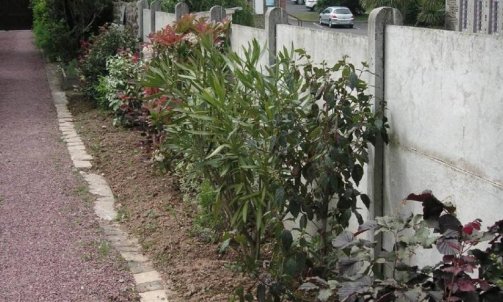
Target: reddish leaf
[(468, 229), (466, 285), (448, 258), (484, 285), (421, 197), (453, 270), (448, 246)]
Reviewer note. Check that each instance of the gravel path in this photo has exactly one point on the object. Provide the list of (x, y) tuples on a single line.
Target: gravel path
[(51, 248)]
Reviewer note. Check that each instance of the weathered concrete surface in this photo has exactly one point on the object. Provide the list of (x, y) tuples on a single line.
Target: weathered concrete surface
[(273, 17), (324, 45), (241, 37), (445, 104)]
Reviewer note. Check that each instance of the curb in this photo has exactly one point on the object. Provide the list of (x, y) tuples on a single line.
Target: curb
[(148, 281)]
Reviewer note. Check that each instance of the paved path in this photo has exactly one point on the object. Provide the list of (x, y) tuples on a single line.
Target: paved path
[(49, 237)]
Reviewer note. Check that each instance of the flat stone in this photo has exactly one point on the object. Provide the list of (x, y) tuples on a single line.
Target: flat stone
[(134, 256), (148, 281), (72, 140), (82, 164), (147, 277), (104, 208), (80, 155), (97, 185), (154, 296), (139, 267), (149, 286)]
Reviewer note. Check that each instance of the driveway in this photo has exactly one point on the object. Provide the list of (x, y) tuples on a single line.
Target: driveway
[(51, 248), (360, 27)]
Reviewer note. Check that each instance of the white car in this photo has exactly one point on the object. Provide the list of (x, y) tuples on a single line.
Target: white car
[(337, 15), (311, 4)]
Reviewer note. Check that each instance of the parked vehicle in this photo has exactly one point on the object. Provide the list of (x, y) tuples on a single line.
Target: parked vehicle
[(311, 4), (337, 15)]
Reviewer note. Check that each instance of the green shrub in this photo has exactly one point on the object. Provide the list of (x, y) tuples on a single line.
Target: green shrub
[(120, 90), (59, 25), (270, 151), (429, 13), (52, 35), (92, 64)]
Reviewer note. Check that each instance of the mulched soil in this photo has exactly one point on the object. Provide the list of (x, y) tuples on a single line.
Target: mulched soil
[(152, 208), (51, 246)]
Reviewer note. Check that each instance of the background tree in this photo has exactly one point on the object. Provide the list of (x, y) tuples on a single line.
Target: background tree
[(59, 25), (244, 16), (428, 13)]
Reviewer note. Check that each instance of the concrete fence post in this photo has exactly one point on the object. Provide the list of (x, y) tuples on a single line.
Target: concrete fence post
[(378, 19), (273, 17), (154, 7), (141, 5), (217, 13), (181, 9)]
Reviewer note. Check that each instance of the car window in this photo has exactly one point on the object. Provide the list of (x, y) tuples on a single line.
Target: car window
[(342, 11), (326, 11)]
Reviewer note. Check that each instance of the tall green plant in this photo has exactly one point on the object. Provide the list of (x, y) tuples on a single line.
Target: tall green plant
[(286, 142), (93, 61)]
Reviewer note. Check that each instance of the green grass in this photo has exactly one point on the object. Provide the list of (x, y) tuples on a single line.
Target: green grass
[(307, 16)]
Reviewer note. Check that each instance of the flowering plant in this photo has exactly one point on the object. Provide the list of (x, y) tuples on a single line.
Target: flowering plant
[(178, 40), (120, 89)]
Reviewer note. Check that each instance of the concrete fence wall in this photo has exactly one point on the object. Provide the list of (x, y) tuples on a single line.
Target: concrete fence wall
[(445, 105), (443, 99), (241, 37), (154, 19)]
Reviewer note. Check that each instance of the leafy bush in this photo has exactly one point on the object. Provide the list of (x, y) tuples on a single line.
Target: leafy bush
[(95, 53), (357, 274), (59, 25), (120, 90), (270, 150), (51, 35), (429, 13)]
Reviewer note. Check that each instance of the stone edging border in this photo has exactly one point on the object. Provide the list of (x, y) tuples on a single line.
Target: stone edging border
[(148, 281)]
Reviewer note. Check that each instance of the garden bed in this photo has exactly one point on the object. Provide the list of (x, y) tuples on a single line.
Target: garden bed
[(151, 206)]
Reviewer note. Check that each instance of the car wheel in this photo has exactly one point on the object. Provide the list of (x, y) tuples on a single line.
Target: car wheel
[(330, 23), (321, 23)]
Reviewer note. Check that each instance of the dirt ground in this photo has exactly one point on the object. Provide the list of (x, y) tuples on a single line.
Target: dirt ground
[(150, 205)]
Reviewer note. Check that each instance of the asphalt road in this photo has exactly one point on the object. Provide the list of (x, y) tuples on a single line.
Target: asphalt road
[(360, 27)]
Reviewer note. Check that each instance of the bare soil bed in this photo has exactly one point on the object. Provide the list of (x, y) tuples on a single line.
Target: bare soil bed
[(151, 207)]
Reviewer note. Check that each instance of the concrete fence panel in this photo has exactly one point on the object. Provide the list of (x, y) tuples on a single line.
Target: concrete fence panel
[(445, 105), (163, 19), (323, 45), (241, 37), (146, 24)]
